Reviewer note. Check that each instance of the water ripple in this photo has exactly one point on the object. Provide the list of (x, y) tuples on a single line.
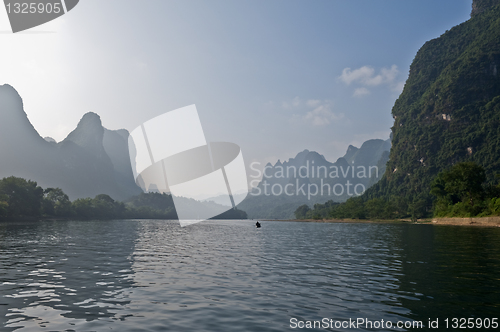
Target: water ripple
[(229, 276)]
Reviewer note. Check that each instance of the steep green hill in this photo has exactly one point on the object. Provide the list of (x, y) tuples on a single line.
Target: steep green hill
[(449, 110)]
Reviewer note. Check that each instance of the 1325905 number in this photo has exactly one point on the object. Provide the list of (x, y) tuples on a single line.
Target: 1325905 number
[(471, 323), (33, 7)]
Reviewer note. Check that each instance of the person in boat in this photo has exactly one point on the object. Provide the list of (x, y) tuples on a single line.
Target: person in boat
[(257, 224)]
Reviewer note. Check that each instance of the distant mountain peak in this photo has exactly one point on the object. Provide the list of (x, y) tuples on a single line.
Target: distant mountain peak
[(305, 152), (351, 152), (14, 122), (313, 155), (9, 88), (88, 133), (90, 119), (300, 157), (369, 153), (302, 154), (310, 169), (371, 142), (80, 164)]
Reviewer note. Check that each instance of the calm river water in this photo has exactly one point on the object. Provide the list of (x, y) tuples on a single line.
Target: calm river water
[(145, 275)]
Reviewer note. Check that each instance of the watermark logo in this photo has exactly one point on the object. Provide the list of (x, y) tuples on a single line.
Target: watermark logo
[(170, 154), (310, 180), (25, 15)]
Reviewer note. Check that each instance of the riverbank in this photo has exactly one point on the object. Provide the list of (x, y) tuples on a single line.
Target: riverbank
[(482, 221), (355, 221)]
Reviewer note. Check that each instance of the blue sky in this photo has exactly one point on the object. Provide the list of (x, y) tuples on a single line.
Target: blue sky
[(274, 76)]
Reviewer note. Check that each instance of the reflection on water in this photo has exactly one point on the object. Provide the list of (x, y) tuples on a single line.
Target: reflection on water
[(54, 274), (453, 271), (230, 276)]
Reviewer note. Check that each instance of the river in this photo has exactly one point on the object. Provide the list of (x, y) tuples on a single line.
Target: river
[(153, 275)]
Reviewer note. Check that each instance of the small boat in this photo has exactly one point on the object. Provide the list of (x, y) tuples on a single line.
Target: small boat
[(257, 224)]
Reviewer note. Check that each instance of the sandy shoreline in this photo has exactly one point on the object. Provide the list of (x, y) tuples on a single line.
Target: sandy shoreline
[(481, 222)]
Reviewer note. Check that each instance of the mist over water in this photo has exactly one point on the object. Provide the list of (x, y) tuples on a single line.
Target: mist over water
[(144, 275)]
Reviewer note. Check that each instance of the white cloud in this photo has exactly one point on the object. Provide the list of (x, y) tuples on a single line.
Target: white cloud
[(313, 102), (388, 75), (357, 75), (322, 115), (360, 92), (317, 112), (366, 77)]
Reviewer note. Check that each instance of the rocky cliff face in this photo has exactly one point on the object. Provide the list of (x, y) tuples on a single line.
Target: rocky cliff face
[(449, 110), (115, 143), (23, 152), (84, 164), (480, 6)]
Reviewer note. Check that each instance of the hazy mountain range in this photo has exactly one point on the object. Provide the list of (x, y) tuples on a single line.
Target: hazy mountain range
[(94, 160), (309, 179)]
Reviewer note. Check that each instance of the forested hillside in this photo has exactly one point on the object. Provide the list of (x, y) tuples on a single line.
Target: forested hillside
[(448, 112)]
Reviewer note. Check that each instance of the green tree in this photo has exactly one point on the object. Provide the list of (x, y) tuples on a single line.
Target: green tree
[(156, 206), (376, 208), (103, 206), (157, 201), (4, 206), (418, 207), (463, 182), (458, 189), (353, 208), (302, 211), (83, 208), (494, 206), (56, 203)]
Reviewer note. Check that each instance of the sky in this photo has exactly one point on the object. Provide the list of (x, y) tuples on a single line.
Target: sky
[(273, 76)]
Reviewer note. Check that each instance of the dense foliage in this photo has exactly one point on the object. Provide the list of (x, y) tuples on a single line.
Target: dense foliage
[(152, 206), (353, 208), (448, 112), (25, 199), (460, 191), (20, 198)]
